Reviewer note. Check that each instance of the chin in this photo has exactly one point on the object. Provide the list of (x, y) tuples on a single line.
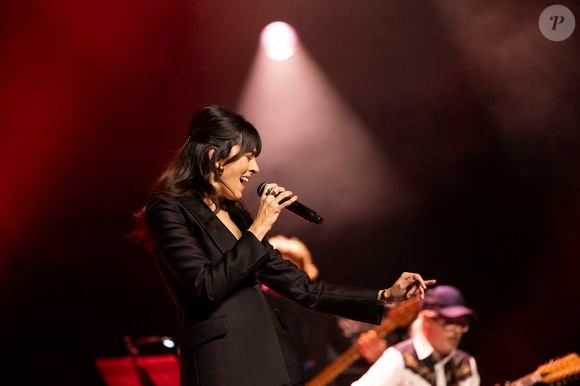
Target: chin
[(233, 195), (451, 348)]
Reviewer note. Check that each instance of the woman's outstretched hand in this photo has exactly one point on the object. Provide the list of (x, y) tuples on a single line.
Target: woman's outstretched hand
[(270, 208), (409, 284)]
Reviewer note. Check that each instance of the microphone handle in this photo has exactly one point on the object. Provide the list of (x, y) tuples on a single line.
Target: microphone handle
[(303, 211)]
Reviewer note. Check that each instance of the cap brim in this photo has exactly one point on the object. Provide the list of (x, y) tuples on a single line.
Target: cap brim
[(456, 312)]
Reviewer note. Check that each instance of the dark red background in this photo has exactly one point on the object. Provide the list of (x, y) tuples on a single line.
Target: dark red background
[(476, 112)]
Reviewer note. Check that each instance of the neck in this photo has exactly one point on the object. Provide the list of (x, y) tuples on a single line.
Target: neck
[(437, 355), (211, 205)]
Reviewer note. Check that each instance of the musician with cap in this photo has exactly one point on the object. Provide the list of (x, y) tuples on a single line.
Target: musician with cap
[(431, 356)]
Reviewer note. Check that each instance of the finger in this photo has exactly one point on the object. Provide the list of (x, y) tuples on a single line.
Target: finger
[(288, 196), (281, 196), (405, 280), (417, 278), (286, 204), (278, 190), (408, 279), (411, 291), (419, 281), (269, 198), (269, 189), (421, 293), (430, 282)]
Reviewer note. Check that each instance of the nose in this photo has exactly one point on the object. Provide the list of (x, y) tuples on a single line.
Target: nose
[(254, 167), (458, 327)]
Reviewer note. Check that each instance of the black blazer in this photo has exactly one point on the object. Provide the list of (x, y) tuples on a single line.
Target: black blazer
[(230, 333)]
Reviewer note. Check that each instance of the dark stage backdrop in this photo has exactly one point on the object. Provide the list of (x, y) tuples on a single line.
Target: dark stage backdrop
[(472, 111)]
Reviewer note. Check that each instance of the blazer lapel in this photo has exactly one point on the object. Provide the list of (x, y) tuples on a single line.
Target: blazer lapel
[(218, 233)]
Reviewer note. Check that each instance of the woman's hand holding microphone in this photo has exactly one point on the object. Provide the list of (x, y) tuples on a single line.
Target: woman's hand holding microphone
[(270, 208)]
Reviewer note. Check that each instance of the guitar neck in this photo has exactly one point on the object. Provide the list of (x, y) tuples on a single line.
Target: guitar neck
[(527, 380), (557, 370), (346, 359)]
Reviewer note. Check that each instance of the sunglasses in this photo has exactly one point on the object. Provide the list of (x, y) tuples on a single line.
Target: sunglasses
[(449, 323)]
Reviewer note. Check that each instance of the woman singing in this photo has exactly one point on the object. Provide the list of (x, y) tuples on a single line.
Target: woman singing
[(212, 256)]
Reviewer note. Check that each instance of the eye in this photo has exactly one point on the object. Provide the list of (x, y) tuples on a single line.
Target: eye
[(250, 156)]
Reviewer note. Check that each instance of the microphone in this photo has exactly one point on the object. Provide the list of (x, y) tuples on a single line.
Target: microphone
[(297, 208)]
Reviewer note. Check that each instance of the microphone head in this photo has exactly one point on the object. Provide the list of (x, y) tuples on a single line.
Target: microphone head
[(260, 188)]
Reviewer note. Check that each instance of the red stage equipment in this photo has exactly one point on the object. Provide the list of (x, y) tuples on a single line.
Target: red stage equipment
[(149, 370)]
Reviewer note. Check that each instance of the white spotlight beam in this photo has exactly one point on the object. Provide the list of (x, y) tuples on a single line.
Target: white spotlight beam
[(315, 145)]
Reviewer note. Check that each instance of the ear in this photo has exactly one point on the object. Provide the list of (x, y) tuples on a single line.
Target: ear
[(220, 168), (210, 152)]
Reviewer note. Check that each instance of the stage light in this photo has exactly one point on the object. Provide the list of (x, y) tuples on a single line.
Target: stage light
[(167, 342), (279, 40)]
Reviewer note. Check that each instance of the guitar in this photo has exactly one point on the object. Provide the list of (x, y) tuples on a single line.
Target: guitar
[(559, 370), (400, 316)]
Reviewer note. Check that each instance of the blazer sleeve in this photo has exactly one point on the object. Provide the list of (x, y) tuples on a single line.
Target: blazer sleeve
[(285, 278), (183, 253)]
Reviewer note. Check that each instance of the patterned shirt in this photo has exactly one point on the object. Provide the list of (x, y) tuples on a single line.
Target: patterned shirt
[(412, 363)]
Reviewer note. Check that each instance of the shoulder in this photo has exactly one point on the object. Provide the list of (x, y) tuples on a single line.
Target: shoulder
[(162, 203), (407, 352), (392, 360), (166, 202), (164, 208), (464, 365), (461, 356), (405, 346), (387, 370)]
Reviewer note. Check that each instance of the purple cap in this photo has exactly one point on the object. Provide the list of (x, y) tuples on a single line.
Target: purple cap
[(447, 301)]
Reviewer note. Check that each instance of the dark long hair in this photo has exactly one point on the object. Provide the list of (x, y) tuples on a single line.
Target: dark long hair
[(190, 170)]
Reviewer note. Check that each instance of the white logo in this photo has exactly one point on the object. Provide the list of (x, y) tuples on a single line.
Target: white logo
[(557, 23)]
